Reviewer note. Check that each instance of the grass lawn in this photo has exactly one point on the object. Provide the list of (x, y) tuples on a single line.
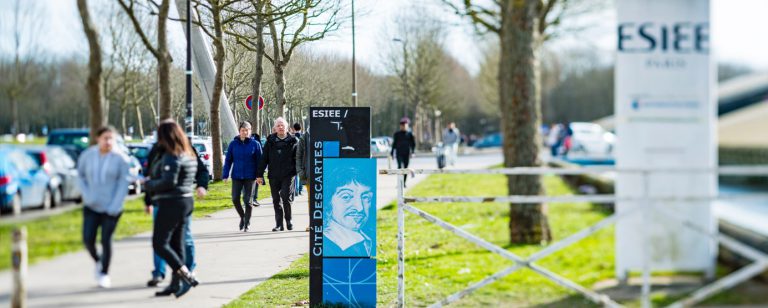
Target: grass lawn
[(440, 263), (29, 141), (55, 235)]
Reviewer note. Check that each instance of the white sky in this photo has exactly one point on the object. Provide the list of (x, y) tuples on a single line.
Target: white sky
[(737, 31)]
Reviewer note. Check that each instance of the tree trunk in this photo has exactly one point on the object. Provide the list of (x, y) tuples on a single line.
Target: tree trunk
[(520, 113), (94, 84), (256, 82), (280, 88), (139, 120), (164, 62), (218, 86), (15, 114), (123, 126)]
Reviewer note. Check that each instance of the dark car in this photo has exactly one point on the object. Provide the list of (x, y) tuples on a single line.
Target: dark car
[(23, 183), (62, 169), (75, 141), (489, 141), (141, 152)]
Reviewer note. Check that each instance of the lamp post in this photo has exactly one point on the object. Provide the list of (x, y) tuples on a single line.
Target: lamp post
[(354, 64), (188, 121), (405, 74)]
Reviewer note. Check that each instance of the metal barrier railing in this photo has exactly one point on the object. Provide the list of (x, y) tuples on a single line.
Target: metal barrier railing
[(758, 258)]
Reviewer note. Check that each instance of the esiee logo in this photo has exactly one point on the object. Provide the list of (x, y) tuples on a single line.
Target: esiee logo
[(681, 37)]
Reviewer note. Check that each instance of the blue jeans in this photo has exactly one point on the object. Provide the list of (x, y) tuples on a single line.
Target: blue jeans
[(189, 251)]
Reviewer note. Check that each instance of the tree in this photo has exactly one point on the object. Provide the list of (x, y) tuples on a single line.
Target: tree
[(521, 27), (94, 85), (159, 50), (313, 20), (24, 27)]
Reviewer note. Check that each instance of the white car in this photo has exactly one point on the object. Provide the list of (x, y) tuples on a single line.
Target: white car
[(205, 151), (590, 140), (379, 147)]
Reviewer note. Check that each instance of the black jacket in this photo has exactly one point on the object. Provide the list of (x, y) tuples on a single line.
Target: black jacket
[(172, 177), (201, 177), (403, 143), (280, 156)]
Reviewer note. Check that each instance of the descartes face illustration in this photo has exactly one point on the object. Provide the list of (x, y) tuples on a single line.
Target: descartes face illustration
[(351, 203)]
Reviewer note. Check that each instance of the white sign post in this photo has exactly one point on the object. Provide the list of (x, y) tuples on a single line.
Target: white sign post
[(666, 119)]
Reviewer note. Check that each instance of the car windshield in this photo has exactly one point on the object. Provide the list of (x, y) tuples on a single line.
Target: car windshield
[(199, 147), (140, 152), (69, 139)]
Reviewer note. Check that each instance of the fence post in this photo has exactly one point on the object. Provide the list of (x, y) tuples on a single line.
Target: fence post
[(647, 206), (400, 241), (19, 263)]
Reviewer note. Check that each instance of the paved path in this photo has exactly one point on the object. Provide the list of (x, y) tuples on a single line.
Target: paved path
[(229, 262)]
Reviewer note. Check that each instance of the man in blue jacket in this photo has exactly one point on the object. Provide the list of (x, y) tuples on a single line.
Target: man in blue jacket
[(243, 156)]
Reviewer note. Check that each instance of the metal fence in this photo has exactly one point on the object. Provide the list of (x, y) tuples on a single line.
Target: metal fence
[(758, 258)]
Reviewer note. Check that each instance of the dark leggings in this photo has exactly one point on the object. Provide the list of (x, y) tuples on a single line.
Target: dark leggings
[(244, 188), (91, 223), (282, 197), (402, 162), (168, 235)]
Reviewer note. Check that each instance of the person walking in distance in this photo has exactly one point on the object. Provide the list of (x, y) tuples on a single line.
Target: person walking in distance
[(302, 164), (403, 145), (243, 156), (280, 159), (201, 181), (103, 178), (451, 140), (255, 194), (299, 183), (171, 186)]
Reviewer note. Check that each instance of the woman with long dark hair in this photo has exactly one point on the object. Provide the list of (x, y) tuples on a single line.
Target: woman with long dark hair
[(171, 187)]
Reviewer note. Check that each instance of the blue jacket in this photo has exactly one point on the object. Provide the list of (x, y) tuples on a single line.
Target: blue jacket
[(243, 157)]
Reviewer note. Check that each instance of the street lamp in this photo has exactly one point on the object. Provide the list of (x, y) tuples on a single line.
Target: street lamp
[(354, 64), (405, 74), (188, 121)]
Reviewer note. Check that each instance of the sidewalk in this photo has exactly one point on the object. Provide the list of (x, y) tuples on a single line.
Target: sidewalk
[(229, 262)]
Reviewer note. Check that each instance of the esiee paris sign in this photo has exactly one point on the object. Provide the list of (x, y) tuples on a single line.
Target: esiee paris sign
[(665, 119), (342, 183)]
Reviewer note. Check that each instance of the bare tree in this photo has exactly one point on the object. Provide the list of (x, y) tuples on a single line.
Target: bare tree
[(521, 27), (313, 21), (160, 49), (24, 27), (94, 85)]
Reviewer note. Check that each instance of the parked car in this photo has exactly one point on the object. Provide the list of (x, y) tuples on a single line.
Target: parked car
[(141, 152), (23, 183), (489, 141), (75, 141), (204, 149), (379, 147), (591, 140), (62, 169)]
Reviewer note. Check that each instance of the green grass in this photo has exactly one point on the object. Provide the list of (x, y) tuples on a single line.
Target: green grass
[(36, 140), (55, 235), (439, 263)]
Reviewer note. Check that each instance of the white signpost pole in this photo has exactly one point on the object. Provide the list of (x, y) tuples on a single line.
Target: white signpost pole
[(666, 118)]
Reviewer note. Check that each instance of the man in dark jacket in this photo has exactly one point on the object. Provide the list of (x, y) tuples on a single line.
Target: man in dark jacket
[(243, 155), (302, 163), (201, 181), (280, 157), (403, 145)]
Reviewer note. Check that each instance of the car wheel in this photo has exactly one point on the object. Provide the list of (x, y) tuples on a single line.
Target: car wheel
[(16, 204), (137, 188), (56, 198), (47, 199)]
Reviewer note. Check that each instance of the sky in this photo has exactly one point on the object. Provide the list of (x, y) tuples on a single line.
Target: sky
[(737, 32)]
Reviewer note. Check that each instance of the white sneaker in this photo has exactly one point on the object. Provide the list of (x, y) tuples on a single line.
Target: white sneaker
[(97, 271), (105, 282)]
